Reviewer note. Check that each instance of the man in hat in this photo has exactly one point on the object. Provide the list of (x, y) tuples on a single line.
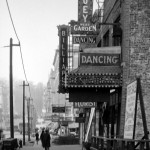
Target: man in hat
[(46, 139)]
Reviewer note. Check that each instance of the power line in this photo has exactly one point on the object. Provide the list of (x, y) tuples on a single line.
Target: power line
[(19, 45), (12, 21), (24, 70)]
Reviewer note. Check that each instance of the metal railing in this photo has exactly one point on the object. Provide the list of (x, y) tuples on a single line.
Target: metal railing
[(102, 143)]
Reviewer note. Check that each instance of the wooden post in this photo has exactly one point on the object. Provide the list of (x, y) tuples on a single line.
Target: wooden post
[(142, 110), (136, 101), (11, 92)]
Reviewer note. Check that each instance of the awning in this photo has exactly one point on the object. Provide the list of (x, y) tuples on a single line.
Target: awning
[(95, 77)]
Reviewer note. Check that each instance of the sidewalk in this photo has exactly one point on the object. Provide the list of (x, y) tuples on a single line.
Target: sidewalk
[(53, 147)]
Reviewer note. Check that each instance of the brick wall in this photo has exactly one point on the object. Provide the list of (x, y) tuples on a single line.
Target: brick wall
[(135, 19)]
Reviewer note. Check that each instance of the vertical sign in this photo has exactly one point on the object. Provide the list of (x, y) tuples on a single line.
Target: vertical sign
[(85, 9), (130, 110), (63, 55)]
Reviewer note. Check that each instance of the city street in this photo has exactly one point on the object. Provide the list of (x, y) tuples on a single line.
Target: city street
[(34, 146), (16, 135), (53, 147)]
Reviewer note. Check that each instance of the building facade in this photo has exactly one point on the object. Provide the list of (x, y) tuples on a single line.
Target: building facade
[(123, 30), (60, 109)]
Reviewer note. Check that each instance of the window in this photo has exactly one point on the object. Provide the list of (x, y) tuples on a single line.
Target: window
[(117, 33), (106, 39)]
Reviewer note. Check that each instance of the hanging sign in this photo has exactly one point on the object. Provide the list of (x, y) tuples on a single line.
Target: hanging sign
[(58, 109), (84, 39), (63, 55), (85, 10), (84, 104), (82, 28), (84, 25), (130, 110), (97, 59)]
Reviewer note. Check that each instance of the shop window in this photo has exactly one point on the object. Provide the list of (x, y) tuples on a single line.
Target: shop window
[(117, 41), (111, 115), (106, 39)]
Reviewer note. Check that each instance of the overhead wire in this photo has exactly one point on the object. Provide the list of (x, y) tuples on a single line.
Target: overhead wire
[(19, 45)]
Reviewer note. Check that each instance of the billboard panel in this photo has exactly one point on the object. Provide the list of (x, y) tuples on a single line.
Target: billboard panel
[(130, 110)]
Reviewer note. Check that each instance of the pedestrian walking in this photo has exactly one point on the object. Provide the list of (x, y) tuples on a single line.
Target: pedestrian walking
[(41, 136), (37, 137), (46, 140)]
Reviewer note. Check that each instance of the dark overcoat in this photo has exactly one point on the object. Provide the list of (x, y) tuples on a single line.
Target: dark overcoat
[(46, 139)]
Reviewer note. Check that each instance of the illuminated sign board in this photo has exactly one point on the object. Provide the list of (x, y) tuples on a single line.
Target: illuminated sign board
[(85, 9), (63, 55), (97, 59), (84, 39), (81, 28)]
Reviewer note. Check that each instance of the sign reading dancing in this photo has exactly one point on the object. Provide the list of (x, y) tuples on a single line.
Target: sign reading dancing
[(96, 59), (84, 39), (63, 55)]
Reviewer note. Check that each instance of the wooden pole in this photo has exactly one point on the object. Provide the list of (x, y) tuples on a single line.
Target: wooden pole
[(23, 113), (11, 92), (143, 111), (136, 102)]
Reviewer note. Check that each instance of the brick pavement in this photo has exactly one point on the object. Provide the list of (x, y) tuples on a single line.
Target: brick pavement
[(53, 147)]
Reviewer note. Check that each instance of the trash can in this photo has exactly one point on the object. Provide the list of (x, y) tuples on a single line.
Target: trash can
[(10, 144)]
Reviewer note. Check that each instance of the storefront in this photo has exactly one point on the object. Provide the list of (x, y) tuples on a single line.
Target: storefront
[(98, 79)]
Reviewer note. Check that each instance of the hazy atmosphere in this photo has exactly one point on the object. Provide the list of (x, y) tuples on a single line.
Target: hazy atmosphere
[(35, 23)]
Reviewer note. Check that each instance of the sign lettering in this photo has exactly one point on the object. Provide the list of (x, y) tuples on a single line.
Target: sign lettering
[(81, 28), (96, 59), (84, 39), (85, 9), (63, 54), (84, 104)]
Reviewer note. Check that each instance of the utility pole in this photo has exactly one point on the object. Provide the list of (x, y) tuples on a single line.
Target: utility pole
[(24, 111), (28, 109), (11, 89)]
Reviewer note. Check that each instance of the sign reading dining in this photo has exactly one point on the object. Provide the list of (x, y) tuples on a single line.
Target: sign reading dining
[(63, 54), (97, 59)]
